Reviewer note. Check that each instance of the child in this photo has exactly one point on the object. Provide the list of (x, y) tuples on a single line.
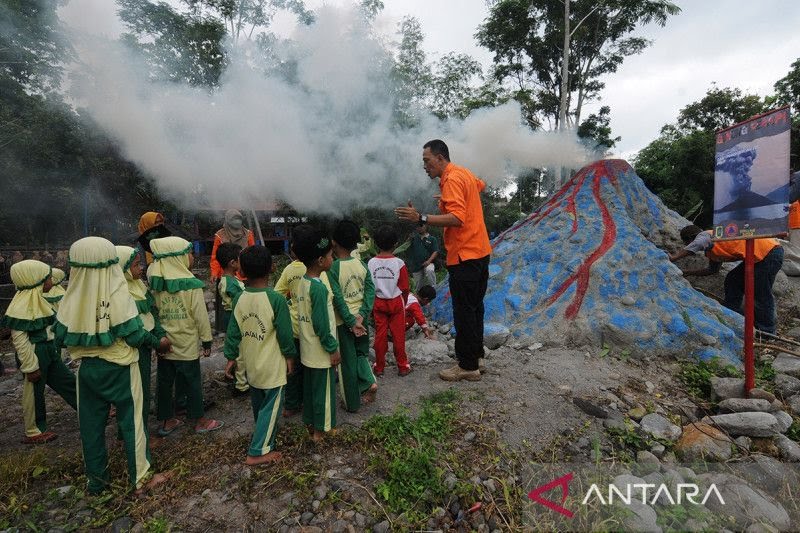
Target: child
[(99, 322), (29, 317), (56, 292), (353, 296), (182, 309), (287, 286), (424, 296), (390, 276), (319, 349), (260, 335), (229, 288), (131, 261)]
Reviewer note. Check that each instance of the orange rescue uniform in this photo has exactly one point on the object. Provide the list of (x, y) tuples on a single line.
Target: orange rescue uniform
[(794, 215), (461, 198), (724, 251)]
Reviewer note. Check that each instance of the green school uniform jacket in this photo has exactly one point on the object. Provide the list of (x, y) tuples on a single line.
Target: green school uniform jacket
[(353, 290), (316, 323), (229, 289), (184, 317), (260, 332)]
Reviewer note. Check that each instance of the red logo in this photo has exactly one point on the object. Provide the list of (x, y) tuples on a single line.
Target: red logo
[(562, 482), (731, 230)]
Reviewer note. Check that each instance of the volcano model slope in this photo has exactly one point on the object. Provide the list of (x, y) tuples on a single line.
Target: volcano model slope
[(587, 269)]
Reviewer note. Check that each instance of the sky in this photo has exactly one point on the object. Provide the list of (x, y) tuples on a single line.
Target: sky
[(735, 43)]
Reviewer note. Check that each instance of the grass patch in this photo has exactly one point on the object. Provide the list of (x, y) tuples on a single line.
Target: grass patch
[(696, 375)]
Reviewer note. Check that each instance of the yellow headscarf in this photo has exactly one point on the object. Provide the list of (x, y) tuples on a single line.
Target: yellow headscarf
[(29, 311), (170, 269), (97, 308), (55, 294)]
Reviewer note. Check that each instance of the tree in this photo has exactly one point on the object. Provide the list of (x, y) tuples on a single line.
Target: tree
[(595, 132), (787, 92), (243, 17), (412, 73), (453, 88), (528, 39), (679, 165)]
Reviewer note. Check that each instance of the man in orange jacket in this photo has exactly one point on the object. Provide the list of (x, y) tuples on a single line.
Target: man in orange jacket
[(468, 251), (768, 261)]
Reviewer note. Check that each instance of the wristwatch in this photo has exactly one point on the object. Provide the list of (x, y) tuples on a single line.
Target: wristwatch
[(423, 219)]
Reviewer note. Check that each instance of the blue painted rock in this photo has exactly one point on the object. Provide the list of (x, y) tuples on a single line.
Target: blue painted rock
[(587, 269)]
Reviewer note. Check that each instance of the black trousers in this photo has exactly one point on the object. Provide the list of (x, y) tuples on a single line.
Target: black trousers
[(468, 281)]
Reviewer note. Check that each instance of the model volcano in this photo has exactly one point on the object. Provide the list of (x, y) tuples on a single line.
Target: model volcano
[(587, 269)]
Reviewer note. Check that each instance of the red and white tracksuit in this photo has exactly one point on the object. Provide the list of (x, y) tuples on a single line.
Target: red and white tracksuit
[(390, 276)]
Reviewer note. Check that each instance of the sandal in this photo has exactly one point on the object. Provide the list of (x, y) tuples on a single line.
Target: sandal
[(41, 438), (212, 426), (163, 432)]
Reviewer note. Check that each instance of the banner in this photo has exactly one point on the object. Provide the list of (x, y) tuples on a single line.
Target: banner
[(751, 177)]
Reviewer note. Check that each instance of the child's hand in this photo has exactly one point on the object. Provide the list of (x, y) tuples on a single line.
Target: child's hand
[(206, 352), (428, 333), (290, 366), (336, 358), (35, 376), (359, 330), (229, 366), (164, 345)]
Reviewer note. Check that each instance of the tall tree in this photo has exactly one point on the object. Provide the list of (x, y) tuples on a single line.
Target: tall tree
[(245, 18), (534, 47), (453, 85), (787, 92), (679, 164), (412, 73)]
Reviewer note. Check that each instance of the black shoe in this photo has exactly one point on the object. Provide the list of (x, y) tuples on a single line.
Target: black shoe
[(239, 393)]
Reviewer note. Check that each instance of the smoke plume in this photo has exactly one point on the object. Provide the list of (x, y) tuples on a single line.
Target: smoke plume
[(323, 141)]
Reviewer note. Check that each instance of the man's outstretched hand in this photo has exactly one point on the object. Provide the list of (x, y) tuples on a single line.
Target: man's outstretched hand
[(409, 213)]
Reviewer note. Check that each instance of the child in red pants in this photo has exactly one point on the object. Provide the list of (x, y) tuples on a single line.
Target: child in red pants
[(390, 276)]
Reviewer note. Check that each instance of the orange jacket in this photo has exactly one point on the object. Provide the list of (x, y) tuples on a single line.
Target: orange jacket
[(794, 215), (461, 196), (216, 268), (734, 250)]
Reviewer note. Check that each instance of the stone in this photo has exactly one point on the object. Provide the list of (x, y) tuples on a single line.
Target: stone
[(744, 504), (648, 385), (787, 364), (659, 427), (658, 450), (760, 528), (591, 407), (121, 525), (794, 333), (794, 404), (743, 442), (786, 386), (789, 449), (444, 329), (535, 346), (320, 492), (490, 485), (495, 336), (702, 442), (766, 473), (340, 526), (425, 352), (784, 419), (450, 481), (724, 388), (761, 394), (381, 527), (744, 405), (469, 436), (63, 491), (749, 424), (361, 520), (647, 463), (315, 505), (637, 413), (306, 518)]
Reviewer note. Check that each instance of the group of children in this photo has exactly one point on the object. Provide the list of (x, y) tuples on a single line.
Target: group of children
[(287, 346)]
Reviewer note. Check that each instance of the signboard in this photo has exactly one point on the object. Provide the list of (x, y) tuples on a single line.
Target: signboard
[(751, 177)]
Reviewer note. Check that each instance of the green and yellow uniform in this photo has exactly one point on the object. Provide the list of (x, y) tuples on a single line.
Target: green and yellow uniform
[(317, 329), (287, 286), (183, 315), (229, 288), (353, 295), (148, 313), (260, 335), (29, 316), (99, 322)]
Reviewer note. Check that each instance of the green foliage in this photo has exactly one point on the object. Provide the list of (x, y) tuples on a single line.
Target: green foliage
[(410, 452), (595, 132), (794, 430), (696, 375)]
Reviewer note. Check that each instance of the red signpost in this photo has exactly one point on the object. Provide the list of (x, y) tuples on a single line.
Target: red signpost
[(749, 307)]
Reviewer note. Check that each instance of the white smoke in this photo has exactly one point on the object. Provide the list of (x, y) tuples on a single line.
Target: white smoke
[(324, 142)]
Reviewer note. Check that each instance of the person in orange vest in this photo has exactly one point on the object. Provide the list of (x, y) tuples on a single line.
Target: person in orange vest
[(233, 231), (768, 261), (794, 223)]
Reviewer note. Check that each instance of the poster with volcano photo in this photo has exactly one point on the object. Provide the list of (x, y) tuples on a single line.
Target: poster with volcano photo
[(751, 177)]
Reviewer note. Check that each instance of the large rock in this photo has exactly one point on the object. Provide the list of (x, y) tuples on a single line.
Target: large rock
[(787, 364), (790, 450), (744, 504), (659, 427), (744, 405), (495, 335), (794, 404), (749, 424), (786, 386), (702, 442), (725, 388), (643, 517), (422, 352), (784, 419), (588, 267)]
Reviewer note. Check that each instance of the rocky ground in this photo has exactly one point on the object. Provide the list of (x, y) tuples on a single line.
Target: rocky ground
[(429, 455)]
